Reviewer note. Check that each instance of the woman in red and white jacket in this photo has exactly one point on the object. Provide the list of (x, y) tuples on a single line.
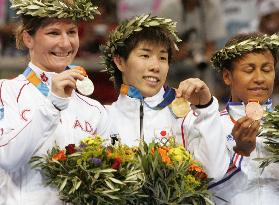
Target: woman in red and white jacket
[(40, 107)]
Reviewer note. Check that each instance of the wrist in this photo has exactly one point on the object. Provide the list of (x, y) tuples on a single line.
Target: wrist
[(241, 152), (58, 102), (207, 104)]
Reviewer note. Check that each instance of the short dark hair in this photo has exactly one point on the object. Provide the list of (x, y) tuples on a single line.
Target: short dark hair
[(153, 35), (229, 64)]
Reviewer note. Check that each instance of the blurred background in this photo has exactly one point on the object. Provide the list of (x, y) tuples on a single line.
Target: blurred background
[(203, 25)]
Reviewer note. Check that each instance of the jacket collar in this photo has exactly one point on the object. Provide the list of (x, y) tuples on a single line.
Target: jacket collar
[(44, 76), (131, 105)]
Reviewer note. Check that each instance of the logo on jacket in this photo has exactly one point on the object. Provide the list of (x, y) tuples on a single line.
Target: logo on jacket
[(162, 136), (44, 77)]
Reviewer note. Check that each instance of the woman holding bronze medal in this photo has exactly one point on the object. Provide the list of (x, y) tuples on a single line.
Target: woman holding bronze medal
[(40, 106), (247, 63)]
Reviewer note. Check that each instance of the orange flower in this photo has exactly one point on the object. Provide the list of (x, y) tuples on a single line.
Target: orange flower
[(59, 156), (163, 151), (195, 167), (108, 152), (200, 172)]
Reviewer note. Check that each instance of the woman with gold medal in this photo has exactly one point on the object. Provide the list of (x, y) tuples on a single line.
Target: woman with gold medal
[(137, 56), (41, 107)]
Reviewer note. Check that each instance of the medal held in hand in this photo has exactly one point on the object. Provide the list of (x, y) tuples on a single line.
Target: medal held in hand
[(85, 86), (254, 110), (180, 107)]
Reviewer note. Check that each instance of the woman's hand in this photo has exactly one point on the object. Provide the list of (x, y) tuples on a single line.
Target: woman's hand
[(195, 91), (244, 133), (64, 83)]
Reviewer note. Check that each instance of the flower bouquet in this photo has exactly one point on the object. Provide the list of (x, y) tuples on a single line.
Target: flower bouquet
[(92, 173), (172, 176), (270, 131), (150, 174)]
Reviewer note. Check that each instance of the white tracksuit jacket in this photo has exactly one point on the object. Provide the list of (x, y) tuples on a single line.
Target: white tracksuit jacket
[(196, 131), (244, 184), (30, 126)]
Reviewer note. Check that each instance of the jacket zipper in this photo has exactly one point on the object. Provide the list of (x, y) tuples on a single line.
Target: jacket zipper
[(141, 121)]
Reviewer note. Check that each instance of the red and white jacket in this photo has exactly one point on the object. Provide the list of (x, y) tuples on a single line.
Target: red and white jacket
[(30, 125), (196, 131), (244, 182)]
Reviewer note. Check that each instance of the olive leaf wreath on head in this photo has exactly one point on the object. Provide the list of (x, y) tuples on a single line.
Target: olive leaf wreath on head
[(73, 9), (238, 49), (127, 28)]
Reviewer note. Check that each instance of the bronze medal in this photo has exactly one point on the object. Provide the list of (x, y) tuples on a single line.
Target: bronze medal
[(180, 107), (254, 110)]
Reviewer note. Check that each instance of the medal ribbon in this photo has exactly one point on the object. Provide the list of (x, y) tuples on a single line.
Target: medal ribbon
[(133, 92), (31, 76), (268, 107)]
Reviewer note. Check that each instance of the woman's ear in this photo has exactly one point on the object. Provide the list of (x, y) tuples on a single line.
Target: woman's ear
[(119, 62), (27, 39), (227, 77)]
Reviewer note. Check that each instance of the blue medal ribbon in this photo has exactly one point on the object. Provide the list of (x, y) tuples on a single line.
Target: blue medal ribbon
[(168, 96), (31, 76)]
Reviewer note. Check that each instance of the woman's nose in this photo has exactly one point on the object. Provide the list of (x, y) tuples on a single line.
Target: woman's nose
[(155, 64), (65, 41)]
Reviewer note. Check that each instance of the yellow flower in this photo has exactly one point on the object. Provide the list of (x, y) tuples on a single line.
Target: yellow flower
[(95, 140), (192, 183), (179, 154)]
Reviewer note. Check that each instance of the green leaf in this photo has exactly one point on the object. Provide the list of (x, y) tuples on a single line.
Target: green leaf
[(116, 181), (63, 184), (110, 185)]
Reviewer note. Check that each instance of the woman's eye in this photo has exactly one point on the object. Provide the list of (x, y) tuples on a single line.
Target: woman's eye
[(72, 32), (145, 56), (248, 70), (53, 33), (267, 68)]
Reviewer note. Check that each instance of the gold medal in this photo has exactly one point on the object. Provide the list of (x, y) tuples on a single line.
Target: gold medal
[(180, 107), (254, 110)]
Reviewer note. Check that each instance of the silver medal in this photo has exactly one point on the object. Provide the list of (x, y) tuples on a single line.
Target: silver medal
[(85, 86)]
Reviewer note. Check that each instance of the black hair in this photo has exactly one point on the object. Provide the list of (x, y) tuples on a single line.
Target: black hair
[(153, 35)]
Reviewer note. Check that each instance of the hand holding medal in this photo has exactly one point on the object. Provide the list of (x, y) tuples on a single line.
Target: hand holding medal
[(254, 110), (190, 91), (85, 86), (245, 136)]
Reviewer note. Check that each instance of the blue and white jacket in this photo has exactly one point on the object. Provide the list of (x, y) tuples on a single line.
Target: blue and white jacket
[(244, 182)]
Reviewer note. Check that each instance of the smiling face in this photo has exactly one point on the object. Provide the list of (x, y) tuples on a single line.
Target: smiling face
[(146, 68), (54, 46), (251, 78)]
